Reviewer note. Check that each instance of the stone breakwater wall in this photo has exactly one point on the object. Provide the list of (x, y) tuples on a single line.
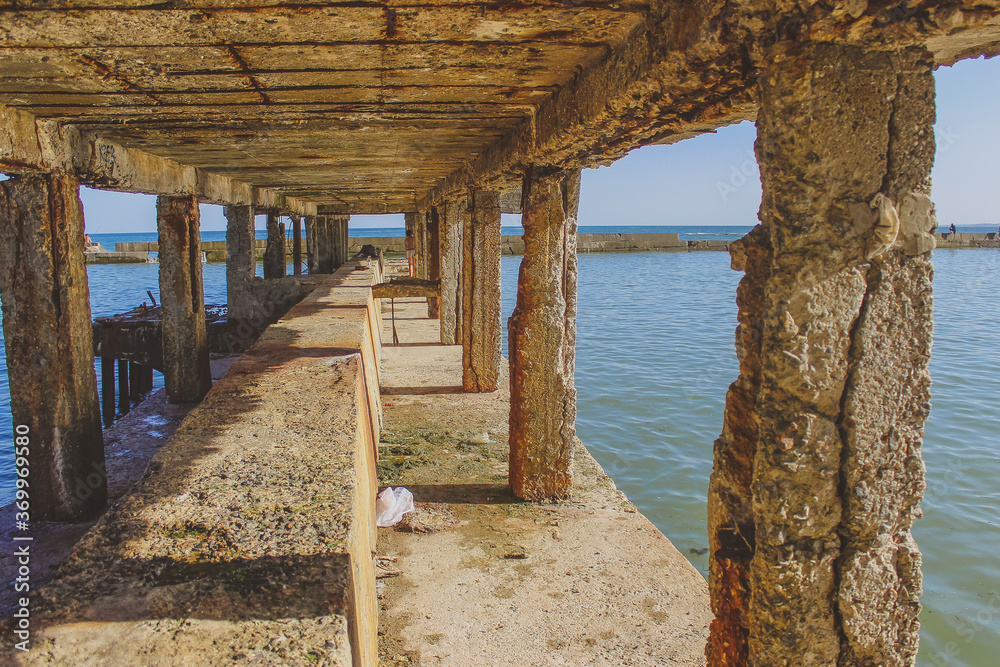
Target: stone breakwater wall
[(215, 251), (988, 240), (514, 245)]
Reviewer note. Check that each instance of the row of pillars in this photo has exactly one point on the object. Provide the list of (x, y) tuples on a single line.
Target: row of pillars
[(49, 340), (818, 471), (327, 244), (459, 243)]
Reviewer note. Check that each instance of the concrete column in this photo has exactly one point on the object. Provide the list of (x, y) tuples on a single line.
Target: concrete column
[(420, 237), (345, 242), (818, 472), (274, 253), (186, 370), (338, 248), (311, 255), (450, 219), (296, 246), (241, 263), (50, 349), (542, 339), (323, 262), (433, 260), (481, 315)]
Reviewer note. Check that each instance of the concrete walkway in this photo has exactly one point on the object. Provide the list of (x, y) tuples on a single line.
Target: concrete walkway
[(476, 577)]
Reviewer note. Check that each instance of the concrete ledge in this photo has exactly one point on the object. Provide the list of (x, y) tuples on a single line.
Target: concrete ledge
[(249, 538)]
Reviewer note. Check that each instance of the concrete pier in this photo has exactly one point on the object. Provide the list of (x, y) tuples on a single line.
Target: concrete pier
[(312, 109)]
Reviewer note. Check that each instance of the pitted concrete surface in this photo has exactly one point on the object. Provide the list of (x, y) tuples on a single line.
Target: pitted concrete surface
[(248, 539), (485, 579)]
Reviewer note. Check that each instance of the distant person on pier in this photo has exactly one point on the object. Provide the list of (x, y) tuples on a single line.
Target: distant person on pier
[(952, 228), (411, 252)]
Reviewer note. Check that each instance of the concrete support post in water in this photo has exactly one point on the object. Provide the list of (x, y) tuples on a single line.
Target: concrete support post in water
[(818, 471), (108, 407), (186, 370), (50, 349), (311, 255), (140, 380), (296, 245), (124, 394), (450, 220), (543, 339), (481, 314), (433, 260), (274, 253), (241, 263)]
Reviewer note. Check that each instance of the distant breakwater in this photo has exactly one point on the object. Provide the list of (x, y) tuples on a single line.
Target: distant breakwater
[(514, 245), (215, 251)]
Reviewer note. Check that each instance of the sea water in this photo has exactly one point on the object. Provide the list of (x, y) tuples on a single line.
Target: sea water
[(655, 355)]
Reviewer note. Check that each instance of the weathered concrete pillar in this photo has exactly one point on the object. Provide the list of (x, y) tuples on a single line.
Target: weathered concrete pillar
[(296, 245), (241, 263), (818, 471), (186, 371), (274, 253), (420, 238), (108, 407), (542, 339), (345, 241), (311, 253), (450, 220), (338, 240), (481, 314), (50, 349), (324, 261), (433, 260)]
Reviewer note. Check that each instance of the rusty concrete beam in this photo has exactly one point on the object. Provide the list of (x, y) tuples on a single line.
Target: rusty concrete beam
[(691, 69), (31, 145)]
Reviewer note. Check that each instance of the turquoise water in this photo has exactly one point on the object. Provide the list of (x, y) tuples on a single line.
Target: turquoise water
[(655, 357)]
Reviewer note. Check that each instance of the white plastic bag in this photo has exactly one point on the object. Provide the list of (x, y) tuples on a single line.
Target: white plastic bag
[(391, 505)]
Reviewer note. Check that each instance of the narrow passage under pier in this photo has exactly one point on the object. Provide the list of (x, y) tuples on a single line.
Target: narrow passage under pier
[(477, 577)]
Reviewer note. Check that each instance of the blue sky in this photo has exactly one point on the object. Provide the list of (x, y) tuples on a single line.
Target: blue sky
[(713, 179)]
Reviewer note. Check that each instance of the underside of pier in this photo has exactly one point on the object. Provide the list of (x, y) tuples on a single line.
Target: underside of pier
[(454, 112)]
